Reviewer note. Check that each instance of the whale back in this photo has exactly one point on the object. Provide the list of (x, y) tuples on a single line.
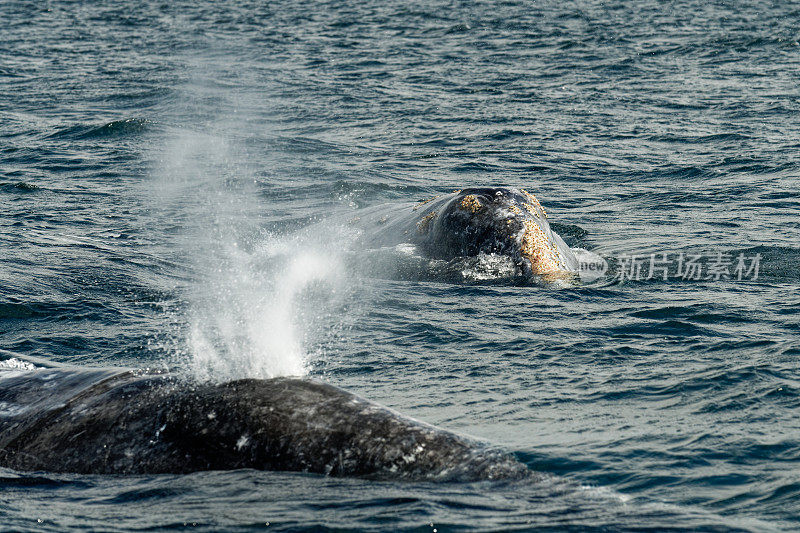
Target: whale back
[(27, 397), (122, 423)]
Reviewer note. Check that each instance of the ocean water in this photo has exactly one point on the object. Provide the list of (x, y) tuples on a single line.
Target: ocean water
[(173, 177)]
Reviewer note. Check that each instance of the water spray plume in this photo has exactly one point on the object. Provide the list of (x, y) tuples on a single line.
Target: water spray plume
[(248, 314)]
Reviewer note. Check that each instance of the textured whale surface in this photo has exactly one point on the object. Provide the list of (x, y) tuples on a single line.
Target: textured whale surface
[(106, 421), (491, 220)]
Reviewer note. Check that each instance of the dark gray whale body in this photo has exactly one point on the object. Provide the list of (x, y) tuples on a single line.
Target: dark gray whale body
[(492, 220), (106, 421)]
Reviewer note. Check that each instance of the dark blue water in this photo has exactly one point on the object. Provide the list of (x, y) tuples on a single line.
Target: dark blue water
[(167, 170)]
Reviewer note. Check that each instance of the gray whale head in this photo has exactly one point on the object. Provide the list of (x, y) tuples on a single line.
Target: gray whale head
[(497, 220), (492, 220)]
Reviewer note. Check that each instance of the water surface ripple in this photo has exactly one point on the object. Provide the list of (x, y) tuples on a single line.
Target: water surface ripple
[(158, 159)]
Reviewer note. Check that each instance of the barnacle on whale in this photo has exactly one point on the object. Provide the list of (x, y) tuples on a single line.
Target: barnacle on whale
[(425, 222), (423, 202), (534, 201), (536, 248), (470, 203)]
